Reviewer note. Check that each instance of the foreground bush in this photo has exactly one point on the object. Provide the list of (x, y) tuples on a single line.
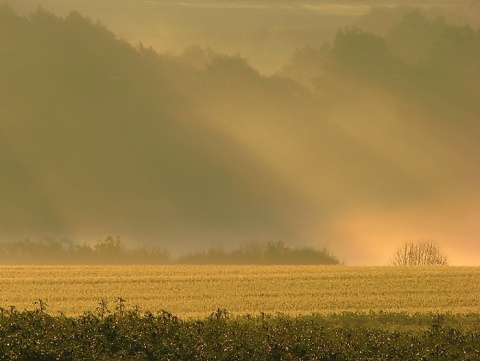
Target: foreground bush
[(131, 335)]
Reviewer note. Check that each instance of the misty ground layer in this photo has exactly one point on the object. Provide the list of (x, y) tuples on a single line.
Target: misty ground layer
[(195, 291), (131, 335), (356, 144)]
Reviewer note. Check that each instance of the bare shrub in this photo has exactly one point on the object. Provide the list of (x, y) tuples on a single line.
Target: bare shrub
[(419, 253)]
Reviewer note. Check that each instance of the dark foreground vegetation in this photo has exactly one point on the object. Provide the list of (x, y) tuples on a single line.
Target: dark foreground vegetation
[(133, 335), (112, 251)]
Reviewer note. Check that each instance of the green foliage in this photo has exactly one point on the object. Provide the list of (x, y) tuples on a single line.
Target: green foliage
[(128, 334)]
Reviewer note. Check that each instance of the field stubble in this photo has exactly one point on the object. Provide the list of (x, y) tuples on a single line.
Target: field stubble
[(196, 291)]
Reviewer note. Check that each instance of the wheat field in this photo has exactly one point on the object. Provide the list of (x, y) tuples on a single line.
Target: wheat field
[(196, 291)]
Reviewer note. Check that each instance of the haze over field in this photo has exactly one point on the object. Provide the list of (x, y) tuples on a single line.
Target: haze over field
[(315, 123)]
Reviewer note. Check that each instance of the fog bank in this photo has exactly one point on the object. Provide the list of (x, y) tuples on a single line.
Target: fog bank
[(356, 141)]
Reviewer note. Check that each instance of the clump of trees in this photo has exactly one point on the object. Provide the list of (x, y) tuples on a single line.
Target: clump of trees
[(107, 251), (271, 253), (420, 253), (112, 251)]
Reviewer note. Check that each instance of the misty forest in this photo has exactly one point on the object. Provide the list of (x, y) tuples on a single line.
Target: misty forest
[(352, 141)]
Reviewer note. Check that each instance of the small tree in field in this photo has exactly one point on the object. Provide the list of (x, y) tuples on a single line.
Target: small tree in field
[(421, 253)]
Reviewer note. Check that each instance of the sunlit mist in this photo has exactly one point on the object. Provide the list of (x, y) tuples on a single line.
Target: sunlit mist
[(190, 124)]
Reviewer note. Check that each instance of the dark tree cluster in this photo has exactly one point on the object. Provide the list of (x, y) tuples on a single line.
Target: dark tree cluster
[(107, 251), (275, 253), (112, 251)]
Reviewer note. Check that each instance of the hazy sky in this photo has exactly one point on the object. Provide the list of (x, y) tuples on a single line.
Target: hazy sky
[(322, 123)]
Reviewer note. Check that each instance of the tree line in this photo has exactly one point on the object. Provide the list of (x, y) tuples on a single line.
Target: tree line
[(112, 251)]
